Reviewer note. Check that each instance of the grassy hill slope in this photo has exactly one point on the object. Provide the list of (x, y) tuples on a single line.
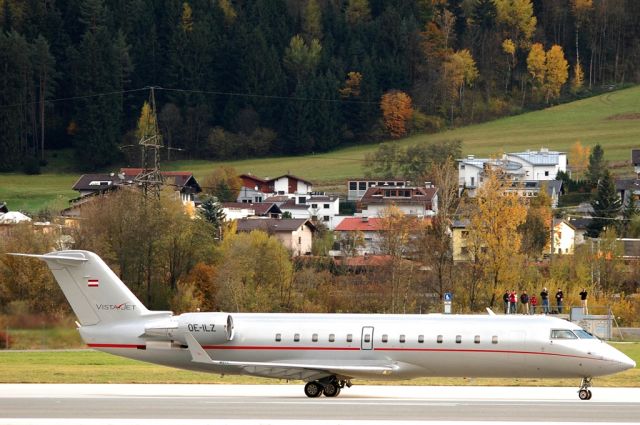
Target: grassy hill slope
[(611, 119)]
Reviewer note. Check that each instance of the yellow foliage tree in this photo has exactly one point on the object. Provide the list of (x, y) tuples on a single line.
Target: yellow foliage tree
[(579, 159), (517, 18), (578, 78), (146, 122), (352, 85), (494, 228), (229, 12), (536, 65), (358, 12), (396, 111), (557, 72), (186, 20)]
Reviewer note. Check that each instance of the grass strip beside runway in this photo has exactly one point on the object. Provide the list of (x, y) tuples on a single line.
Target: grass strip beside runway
[(89, 366)]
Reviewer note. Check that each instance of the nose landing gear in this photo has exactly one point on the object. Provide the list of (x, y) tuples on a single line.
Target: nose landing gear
[(329, 386), (584, 393)]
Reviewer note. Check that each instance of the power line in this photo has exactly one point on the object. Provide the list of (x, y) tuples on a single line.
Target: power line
[(208, 92), (64, 99)]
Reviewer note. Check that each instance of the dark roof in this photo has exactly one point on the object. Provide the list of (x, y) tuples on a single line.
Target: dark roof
[(264, 208), (85, 180), (580, 223), (376, 195), (291, 205), (3, 207), (627, 184), (252, 177), (635, 156), (273, 225), (181, 179), (242, 205), (279, 199)]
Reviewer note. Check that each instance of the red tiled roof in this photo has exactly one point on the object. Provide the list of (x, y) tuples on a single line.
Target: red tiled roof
[(352, 224)]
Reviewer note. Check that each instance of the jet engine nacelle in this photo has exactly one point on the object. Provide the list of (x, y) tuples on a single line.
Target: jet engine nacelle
[(207, 328)]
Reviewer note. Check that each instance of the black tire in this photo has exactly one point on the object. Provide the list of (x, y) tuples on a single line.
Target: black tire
[(331, 390), (584, 394), (589, 391), (313, 389)]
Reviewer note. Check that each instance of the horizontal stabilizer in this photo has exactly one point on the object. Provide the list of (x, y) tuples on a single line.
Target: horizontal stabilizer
[(77, 257)]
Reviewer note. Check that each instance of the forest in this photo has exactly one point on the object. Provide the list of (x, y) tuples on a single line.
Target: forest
[(241, 78)]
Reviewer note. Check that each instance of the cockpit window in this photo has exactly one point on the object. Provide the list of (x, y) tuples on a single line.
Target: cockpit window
[(582, 334), (562, 334)]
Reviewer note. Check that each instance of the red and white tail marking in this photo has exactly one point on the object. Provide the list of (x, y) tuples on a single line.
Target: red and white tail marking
[(93, 283)]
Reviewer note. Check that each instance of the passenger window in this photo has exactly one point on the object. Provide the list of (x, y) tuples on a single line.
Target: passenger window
[(402, 339), (476, 339), (582, 334), (367, 338), (385, 338), (420, 339), (439, 339), (349, 337), (314, 337), (332, 337), (278, 337), (296, 337), (494, 339), (562, 334), (458, 339)]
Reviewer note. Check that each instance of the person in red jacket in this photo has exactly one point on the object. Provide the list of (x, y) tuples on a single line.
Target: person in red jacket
[(534, 303), (513, 302)]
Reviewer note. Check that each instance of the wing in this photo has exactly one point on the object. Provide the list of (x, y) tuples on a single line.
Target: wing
[(303, 371)]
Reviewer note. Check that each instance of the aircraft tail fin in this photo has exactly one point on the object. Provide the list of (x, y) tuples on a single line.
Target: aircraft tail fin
[(95, 292)]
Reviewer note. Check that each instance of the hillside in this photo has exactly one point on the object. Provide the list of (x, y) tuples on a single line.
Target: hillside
[(611, 119)]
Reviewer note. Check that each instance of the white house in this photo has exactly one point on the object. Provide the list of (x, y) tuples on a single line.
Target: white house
[(564, 237), (317, 207), (415, 201)]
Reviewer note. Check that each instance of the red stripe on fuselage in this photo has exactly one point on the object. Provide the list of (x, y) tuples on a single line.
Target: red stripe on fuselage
[(306, 348)]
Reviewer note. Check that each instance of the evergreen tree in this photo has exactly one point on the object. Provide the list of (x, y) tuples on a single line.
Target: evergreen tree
[(606, 206), (597, 165)]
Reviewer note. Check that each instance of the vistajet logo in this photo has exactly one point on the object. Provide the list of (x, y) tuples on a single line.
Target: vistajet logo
[(121, 307)]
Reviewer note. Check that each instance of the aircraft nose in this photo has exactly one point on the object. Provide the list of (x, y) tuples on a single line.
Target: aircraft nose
[(622, 361)]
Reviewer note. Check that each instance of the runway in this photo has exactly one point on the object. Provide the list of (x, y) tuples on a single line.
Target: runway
[(270, 404)]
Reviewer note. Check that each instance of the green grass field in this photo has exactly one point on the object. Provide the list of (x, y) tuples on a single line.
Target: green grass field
[(611, 119), (88, 366)]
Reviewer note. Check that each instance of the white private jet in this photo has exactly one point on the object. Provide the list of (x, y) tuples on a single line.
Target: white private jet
[(327, 350)]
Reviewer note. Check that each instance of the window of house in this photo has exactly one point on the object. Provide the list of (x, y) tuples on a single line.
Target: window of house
[(314, 337), (462, 166), (546, 173), (326, 206), (494, 339), (476, 339), (458, 339), (420, 339), (439, 339), (299, 240), (402, 339), (314, 205), (296, 337), (258, 198), (464, 250), (325, 218), (302, 200), (362, 186), (349, 337), (465, 234), (353, 185), (278, 337), (385, 338), (332, 337)]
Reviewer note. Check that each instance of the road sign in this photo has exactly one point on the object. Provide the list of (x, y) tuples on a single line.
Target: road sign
[(448, 296)]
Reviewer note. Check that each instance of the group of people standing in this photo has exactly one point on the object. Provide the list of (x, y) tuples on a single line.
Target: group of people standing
[(530, 303)]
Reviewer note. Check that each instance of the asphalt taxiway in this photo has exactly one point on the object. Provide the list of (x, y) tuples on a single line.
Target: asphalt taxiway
[(265, 404)]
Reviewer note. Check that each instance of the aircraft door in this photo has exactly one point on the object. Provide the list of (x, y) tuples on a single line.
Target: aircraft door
[(366, 340)]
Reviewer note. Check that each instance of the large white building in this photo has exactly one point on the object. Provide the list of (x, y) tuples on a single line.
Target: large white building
[(542, 165)]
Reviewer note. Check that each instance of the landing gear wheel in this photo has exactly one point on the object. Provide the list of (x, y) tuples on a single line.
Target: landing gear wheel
[(313, 389), (331, 390), (584, 393)]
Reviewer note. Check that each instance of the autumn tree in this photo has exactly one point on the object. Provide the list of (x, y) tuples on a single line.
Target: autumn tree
[(509, 49), (556, 72), (536, 228), (358, 12), (257, 274), (494, 224), (147, 123), (396, 111), (459, 71), (516, 19), (223, 183), (301, 57), (579, 159), (536, 66)]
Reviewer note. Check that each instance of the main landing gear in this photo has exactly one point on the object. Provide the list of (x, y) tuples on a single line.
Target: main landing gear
[(584, 392), (329, 386)]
